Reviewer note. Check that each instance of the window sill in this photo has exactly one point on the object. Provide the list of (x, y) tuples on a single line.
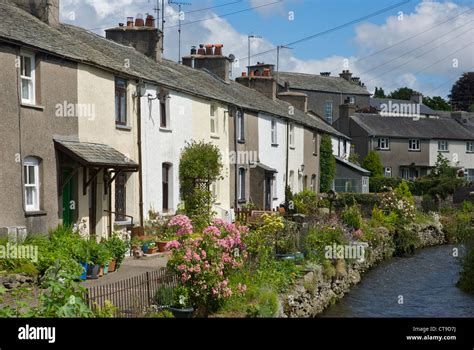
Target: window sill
[(35, 213), (123, 127), (240, 141), (32, 106), (414, 150), (443, 151), (275, 145), (165, 129), (292, 147), (241, 201), (215, 136), (470, 152), (315, 154)]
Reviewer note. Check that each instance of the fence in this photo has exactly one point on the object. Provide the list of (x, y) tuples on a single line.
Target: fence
[(132, 297)]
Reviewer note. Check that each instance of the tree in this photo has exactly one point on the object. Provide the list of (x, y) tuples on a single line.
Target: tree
[(404, 93), (462, 93), (200, 166), (379, 93), (373, 163), (327, 164), (354, 157), (437, 103)]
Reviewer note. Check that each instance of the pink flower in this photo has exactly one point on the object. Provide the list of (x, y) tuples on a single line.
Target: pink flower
[(173, 245), (183, 223), (241, 288), (212, 230)]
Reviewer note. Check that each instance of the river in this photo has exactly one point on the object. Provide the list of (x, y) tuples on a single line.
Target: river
[(425, 281)]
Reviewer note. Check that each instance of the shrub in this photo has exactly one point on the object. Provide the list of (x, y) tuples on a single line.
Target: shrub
[(466, 281), (306, 202), (117, 248), (379, 218), (261, 242), (319, 238), (363, 199), (327, 164), (382, 184), (352, 217), (373, 164), (406, 241)]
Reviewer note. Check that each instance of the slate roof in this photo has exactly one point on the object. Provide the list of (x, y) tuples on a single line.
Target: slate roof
[(352, 165), (80, 45), (406, 127), (378, 102), (313, 82), (95, 154)]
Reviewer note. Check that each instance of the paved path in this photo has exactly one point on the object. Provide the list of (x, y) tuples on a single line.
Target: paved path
[(131, 267)]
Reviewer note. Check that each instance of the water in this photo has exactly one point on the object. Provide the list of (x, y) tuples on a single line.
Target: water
[(426, 281)]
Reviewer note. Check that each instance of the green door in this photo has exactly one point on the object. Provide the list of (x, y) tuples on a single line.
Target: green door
[(68, 206)]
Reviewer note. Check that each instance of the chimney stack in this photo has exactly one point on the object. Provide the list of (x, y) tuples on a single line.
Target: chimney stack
[(325, 74), (346, 111), (210, 57), (347, 75), (46, 10), (261, 79), (141, 35), (417, 98), (298, 100)]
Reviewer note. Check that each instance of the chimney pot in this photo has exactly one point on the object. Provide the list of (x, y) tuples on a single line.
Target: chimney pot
[(209, 49), (150, 21), (129, 22), (266, 72), (201, 50), (139, 22), (218, 49), (193, 50), (244, 74)]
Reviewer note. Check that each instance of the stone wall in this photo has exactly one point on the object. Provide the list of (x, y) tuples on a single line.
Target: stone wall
[(313, 293)]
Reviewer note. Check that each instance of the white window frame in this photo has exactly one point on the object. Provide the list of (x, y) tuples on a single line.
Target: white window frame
[(275, 187), (352, 99), (215, 190), (292, 135), (445, 143), (274, 132), (470, 146), (31, 79), (241, 181), (414, 142), (329, 111), (28, 164), (240, 126), (383, 143), (291, 181), (214, 119), (315, 144), (387, 171), (314, 183)]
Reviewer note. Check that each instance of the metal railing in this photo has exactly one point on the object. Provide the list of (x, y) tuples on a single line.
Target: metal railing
[(131, 297)]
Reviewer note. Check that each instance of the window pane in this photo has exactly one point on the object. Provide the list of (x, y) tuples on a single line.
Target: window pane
[(117, 108), (30, 196), (25, 89), (123, 109), (31, 175), (26, 66)]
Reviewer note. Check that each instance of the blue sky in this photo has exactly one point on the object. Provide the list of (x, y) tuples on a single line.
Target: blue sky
[(425, 45)]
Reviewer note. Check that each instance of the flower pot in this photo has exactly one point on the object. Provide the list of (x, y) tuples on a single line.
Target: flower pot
[(85, 266), (101, 271), (112, 266), (152, 250), (106, 268), (145, 248), (162, 247), (93, 273), (181, 313)]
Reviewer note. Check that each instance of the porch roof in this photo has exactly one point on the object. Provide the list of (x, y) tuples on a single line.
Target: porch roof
[(96, 155), (265, 167)]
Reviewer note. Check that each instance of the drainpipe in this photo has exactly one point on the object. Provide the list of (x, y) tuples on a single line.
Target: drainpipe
[(236, 200), (139, 143)]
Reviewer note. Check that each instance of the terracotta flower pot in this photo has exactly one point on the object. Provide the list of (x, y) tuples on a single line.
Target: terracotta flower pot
[(162, 247), (153, 250), (101, 271), (112, 265)]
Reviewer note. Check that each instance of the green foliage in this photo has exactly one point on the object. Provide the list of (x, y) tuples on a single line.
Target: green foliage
[(406, 241), (404, 93), (379, 92), (363, 199), (107, 311), (462, 92), (373, 164), (466, 280), (437, 103), (200, 166), (352, 217), (306, 202), (261, 242), (117, 248), (382, 184), (327, 164), (320, 237), (380, 218), (267, 305), (354, 158)]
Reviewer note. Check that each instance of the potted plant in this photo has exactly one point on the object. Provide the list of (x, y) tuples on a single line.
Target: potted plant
[(152, 248), (98, 257), (176, 300), (118, 248), (80, 253)]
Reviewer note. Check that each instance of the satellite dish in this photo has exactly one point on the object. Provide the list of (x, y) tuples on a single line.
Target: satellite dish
[(232, 57)]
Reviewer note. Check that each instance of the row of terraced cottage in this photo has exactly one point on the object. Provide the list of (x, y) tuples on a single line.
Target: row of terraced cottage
[(92, 128)]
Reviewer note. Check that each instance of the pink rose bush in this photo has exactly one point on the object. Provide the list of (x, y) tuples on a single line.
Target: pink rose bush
[(203, 262), (182, 224)]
